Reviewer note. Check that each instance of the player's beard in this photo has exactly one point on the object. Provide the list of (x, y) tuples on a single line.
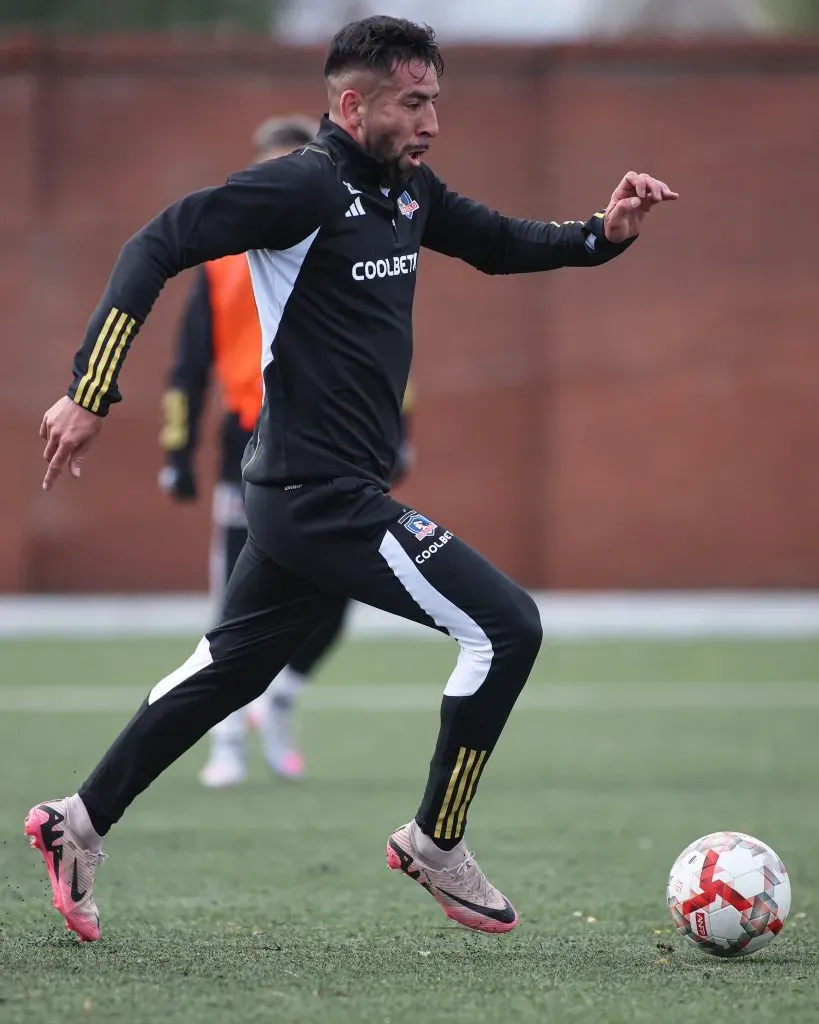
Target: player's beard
[(396, 174)]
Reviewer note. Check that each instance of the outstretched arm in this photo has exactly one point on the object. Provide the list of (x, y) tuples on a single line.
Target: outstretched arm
[(269, 206), (460, 227)]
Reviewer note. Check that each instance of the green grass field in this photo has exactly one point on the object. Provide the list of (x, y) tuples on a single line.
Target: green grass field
[(273, 903)]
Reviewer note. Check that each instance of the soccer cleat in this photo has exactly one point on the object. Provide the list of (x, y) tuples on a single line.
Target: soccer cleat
[(276, 732), (70, 867), (225, 767), (462, 889), (289, 766)]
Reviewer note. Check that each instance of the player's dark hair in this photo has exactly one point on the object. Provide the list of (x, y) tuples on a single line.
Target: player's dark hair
[(382, 44)]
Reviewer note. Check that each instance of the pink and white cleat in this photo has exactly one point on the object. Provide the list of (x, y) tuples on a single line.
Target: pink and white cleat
[(225, 767), (290, 765), (462, 889), (70, 867)]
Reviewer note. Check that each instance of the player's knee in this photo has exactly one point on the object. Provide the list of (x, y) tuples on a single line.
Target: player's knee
[(527, 629)]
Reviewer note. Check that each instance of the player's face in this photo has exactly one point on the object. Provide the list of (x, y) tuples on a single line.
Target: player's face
[(399, 120)]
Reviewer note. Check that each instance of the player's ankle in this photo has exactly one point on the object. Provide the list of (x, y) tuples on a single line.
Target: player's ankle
[(437, 852), (87, 826)]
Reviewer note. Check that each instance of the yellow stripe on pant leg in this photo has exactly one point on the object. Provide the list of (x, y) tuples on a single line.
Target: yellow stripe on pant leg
[(459, 828), (445, 805), (459, 794)]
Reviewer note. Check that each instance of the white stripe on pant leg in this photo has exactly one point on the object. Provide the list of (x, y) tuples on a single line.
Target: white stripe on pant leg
[(475, 657), (200, 659)]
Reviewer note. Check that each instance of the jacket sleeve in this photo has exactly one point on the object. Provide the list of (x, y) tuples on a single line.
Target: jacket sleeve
[(460, 227), (184, 399), (273, 205)]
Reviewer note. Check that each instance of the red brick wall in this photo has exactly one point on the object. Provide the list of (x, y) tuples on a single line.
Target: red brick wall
[(649, 424)]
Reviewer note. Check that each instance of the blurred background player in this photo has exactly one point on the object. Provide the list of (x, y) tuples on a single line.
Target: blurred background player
[(220, 333)]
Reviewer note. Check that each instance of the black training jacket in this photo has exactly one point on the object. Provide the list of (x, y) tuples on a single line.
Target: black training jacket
[(333, 256)]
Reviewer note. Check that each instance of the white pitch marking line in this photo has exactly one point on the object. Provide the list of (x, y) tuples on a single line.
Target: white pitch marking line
[(425, 697)]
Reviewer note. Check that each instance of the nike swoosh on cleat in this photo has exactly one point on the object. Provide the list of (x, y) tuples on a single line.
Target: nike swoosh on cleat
[(505, 914), (406, 865), (406, 861), (50, 833), (76, 895)]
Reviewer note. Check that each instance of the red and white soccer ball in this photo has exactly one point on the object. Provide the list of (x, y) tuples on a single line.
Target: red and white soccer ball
[(729, 894)]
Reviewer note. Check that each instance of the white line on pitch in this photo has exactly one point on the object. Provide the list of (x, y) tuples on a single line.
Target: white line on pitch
[(425, 697)]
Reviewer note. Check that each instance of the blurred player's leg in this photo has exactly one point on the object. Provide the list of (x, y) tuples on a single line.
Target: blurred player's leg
[(268, 613), (227, 759), (348, 535), (277, 705), (271, 712)]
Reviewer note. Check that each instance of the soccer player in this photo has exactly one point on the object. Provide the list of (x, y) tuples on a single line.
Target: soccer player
[(333, 234), (220, 334)]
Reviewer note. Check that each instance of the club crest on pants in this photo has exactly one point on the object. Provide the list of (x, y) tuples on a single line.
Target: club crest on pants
[(419, 526)]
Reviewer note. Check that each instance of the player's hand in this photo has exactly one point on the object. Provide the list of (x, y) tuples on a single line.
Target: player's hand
[(68, 430), (630, 202), (177, 481)]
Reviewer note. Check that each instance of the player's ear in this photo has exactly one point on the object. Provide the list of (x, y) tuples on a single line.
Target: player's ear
[(350, 105)]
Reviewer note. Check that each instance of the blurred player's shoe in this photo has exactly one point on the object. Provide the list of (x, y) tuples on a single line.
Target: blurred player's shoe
[(69, 863), (278, 745), (454, 879), (225, 766)]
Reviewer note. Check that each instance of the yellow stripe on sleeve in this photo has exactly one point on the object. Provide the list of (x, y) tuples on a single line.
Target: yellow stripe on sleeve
[(82, 389), (114, 361), (175, 431)]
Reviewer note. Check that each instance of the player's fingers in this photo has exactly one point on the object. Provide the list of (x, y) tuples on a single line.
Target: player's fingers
[(654, 190), (52, 444), (658, 191), (77, 458), (56, 466), (636, 183), (626, 187), (44, 428)]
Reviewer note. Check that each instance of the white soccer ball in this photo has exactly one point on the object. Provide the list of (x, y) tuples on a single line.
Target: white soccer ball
[(729, 894)]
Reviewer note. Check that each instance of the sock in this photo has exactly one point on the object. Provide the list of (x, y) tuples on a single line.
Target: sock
[(79, 819), (433, 853), (286, 687), (445, 844), (230, 732)]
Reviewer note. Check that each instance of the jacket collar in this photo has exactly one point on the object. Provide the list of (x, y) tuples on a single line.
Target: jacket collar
[(365, 167)]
